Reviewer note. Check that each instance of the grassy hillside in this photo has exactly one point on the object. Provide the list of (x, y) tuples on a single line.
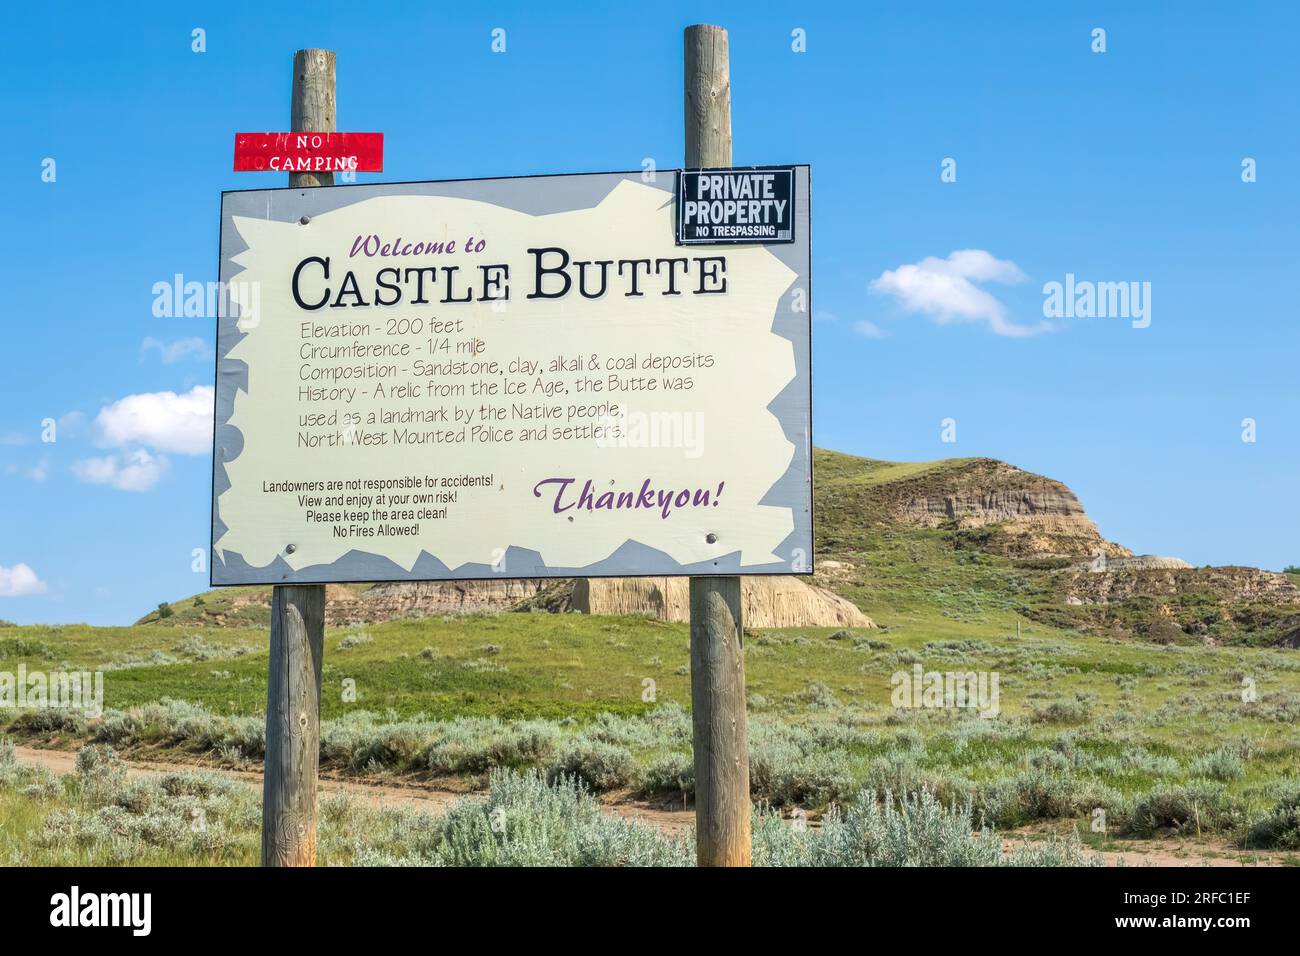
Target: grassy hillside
[(871, 550), (899, 572), (1116, 707), (1158, 736), (226, 607)]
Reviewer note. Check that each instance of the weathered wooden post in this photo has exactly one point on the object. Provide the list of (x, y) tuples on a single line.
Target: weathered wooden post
[(720, 723), (297, 611), (315, 105)]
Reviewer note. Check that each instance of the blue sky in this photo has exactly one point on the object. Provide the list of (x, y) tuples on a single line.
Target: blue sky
[(1122, 166)]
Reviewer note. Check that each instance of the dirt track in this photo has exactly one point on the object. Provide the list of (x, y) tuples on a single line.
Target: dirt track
[(423, 796), (1164, 852)]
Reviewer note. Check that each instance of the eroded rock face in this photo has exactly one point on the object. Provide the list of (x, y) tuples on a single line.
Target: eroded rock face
[(770, 601), (1051, 536), (1227, 584), (1140, 562), (408, 599), (1002, 509), (998, 504)]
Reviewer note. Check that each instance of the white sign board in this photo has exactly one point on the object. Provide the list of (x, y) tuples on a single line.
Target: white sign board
[(519, 378)]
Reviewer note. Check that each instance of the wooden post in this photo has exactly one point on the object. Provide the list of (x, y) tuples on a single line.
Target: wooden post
[(314, 107), (297, 611), (720, 723), (293, 725), (708, 97)]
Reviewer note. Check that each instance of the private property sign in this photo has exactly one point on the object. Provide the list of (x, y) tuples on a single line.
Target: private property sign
[(309, 152), (751, 204), (518, 378)]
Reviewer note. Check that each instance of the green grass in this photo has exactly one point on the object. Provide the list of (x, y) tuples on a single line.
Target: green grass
[(1126, 717), (98, 816), (543, 665), (1158, 736)]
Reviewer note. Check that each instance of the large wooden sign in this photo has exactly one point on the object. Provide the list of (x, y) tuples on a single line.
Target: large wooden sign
[(519, 377)]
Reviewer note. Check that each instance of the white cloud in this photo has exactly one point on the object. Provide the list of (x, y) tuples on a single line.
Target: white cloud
[(131, 471), (71, 424), (20, 581), (162, 420), (171, 352), (868, 329), (863, 327), (945, 289), (37, 472)]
